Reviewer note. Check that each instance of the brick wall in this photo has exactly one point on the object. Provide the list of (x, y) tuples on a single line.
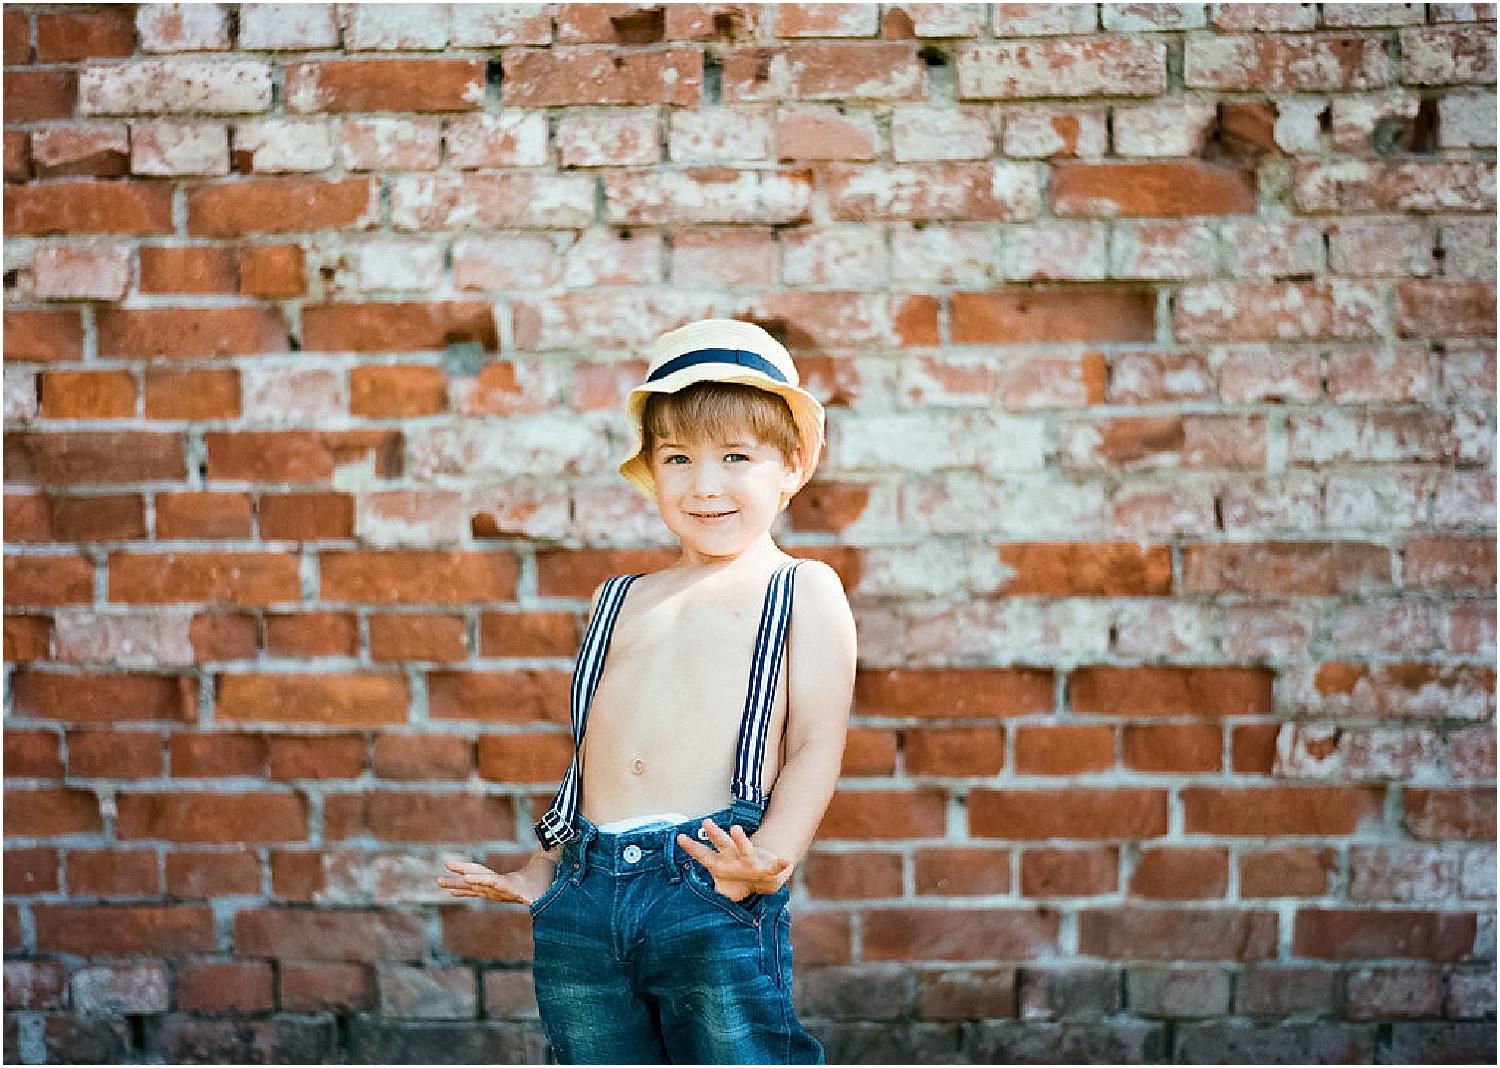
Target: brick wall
[(1158, 343)]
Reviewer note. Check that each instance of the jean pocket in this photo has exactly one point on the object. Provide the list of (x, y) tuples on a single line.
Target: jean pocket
[(747, 910), (559, 883)]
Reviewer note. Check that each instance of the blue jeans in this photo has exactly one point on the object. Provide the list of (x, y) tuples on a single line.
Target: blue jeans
[(639, 960)]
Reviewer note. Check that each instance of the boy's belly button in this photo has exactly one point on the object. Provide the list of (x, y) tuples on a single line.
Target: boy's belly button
[(637, 766)]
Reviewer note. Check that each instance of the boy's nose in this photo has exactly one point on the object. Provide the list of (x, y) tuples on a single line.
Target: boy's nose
[(707, 481)]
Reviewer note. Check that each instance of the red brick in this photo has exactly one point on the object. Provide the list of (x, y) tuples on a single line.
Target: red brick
[(200, 394), (869, 752), (519, 696), (953, 751), (212, 578), (102, 517), (1386, 993), (203, 515), (17, 41), (1073, 813), (1070, 872), (1445, 309), (33, 754), (273, 271), (851, 876), (1454, 813), (97, 33), (423, 756), (113, 873), (331, 987), (306, 516), (43, 336), (1086, 569), (1171, 748), (1280, 810), (38, 96), (962, 693), (190, 332), (390, 327), (124, 930), (212, 818), (217, 755), (87, 394), (338, 756), (298, 455), (562, 76), (1171, 691), (312, 634), (188, 270), (1053, 314), (48, 580), (49, 813), (352, 85), (418, 577), (67, 151), (942, 871), (1176, 873), (279, 205), (1064, 750), (27, 638), (391, 816), (1291, 568), (530, 757), (329, 934), (341, 700), (30, 871), (529, 634), (88, 208), (866, 815), (1177, 934), (959, 934), (487, 935), (397, 391), (193, 874), (823, 132), (1337, 934), (1450, 563), (113, 754), (17, 156), (227, 986), (80, 698), (1155, 190), (223, 636)]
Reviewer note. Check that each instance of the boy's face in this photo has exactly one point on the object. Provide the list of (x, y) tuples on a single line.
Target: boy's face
[(720, 496)]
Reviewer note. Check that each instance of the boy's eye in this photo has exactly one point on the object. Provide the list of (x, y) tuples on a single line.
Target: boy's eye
[(675, 458), (737, 457)]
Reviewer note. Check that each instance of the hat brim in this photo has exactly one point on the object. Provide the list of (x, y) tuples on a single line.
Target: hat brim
[(807, 414)]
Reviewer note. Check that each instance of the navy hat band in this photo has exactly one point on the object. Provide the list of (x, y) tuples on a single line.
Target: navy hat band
[(737, 357)]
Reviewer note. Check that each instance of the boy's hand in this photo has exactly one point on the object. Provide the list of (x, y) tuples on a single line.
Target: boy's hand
[(738, 865), (475, 880)]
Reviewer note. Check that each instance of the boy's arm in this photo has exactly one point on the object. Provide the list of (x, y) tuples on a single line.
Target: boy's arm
[(820, 687)]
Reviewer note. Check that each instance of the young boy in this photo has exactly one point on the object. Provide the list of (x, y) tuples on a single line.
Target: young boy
[(709, 713)]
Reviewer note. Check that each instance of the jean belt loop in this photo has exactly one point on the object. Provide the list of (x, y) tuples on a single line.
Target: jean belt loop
[(747, 814)]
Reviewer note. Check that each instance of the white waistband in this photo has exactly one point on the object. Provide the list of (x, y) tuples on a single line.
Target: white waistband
[(635, 823)]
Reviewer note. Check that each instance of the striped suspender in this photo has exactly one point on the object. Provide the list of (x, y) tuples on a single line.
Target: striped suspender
[(557, 826), (760, 698)]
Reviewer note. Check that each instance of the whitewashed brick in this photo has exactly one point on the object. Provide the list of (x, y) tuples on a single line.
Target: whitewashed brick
[(182, 27), (620, 137), (510, 261), (852, 258), (1364, 15), (550, 445), (936, 133), (58, 146), (1152, 250), (1468, 248), (1135, 18), (96, 271), (288, 27), (283, 146), (1149, 629), (396, 263), (390, 27), (943, 255), (384, 143), (114, 989), (1466, 120), (1045, 132), (173, 148), (1073, 251), (489, 25), (1272, 249), (721, 135), (1299, 128), (928, 442), (610, 258), (277, 394), (129, 639), (948, 20), (510, 139), (175, 86), (1042, 20), (1162, 129), (21, 400)]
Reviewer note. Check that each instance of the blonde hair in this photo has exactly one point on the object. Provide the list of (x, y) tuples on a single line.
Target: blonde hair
[(720, 410)]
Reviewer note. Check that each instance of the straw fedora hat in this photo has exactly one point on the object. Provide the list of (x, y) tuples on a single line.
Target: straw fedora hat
[(721, 350)]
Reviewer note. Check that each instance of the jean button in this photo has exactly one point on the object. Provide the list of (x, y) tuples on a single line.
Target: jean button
[(632, 854)]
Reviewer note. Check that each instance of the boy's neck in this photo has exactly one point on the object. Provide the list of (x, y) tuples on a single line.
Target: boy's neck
[(763, 548)]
